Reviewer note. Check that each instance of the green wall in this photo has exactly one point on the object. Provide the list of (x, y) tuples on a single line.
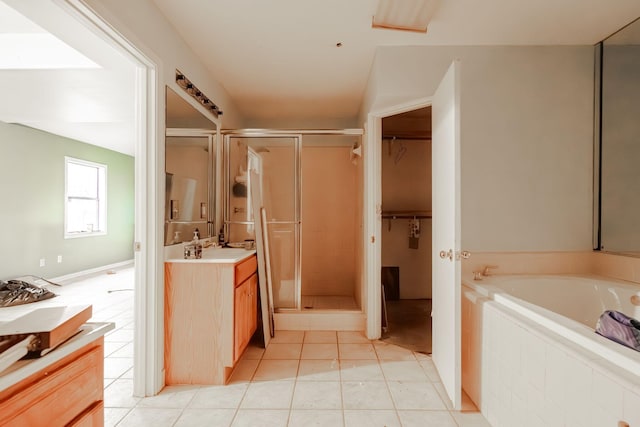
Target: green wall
[(32, 205)]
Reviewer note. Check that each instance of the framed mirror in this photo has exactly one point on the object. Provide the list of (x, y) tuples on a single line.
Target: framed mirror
[(190, 172), (619, 142)]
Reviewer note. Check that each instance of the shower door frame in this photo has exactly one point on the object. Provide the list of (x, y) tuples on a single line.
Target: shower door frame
[(274, 133), (297, 222)]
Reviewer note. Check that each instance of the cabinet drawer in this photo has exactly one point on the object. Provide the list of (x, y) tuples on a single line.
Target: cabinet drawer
[(245, 269), (57, 397)]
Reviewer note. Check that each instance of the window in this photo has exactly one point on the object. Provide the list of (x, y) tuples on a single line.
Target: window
[(85, 198)]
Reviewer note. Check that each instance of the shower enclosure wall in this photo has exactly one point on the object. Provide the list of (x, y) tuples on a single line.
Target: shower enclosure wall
[(310, 183)]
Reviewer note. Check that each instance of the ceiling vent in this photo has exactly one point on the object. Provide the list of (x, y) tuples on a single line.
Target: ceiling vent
[(405, 15)]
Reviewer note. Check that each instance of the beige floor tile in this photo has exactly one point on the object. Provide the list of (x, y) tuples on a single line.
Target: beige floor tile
[(128, 374), (108, 381), (119, 394), (317, 395), (371, 418), (320, 337), (352, 337), (443, 395), (403, 370), (315, 418), (113, 416), (110, 347), (366, 395), (356, 351), (386, 351), (205, 418), (415, 395), (173, 396), (361, 370), (119, 335), (273, 370), (244, 371), (430, 370), (124, 351), (253, 352), (470, 419), (261, 418), (114, 367), (287, 337), (156, 417), (426, 418), (319, 351), (268, 395), (283, 351), (319, 370), (219, 397)]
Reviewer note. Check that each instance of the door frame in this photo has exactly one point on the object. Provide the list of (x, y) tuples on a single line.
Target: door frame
[(372, 237), (148, 364)]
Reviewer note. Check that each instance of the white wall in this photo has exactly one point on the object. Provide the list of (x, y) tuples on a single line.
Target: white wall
[(526, 124), (142, 23)]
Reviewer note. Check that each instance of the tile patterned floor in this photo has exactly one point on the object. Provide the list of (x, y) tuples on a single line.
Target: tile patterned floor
[(312, 378)]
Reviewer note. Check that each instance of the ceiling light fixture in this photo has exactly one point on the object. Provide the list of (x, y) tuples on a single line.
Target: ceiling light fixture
[(196, 94), (405, 15)]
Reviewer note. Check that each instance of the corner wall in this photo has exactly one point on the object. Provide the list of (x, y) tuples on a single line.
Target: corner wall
[(32, 171)]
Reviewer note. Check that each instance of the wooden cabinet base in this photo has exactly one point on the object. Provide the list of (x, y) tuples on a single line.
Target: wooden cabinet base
[(210, 315), (68, 392)]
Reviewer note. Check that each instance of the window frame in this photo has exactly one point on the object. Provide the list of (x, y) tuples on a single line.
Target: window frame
[(101, 198)]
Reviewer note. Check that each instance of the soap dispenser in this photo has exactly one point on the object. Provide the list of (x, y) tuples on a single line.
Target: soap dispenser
[(197, 246)]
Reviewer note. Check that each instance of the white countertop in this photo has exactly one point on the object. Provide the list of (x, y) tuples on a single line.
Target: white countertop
[(24, 368), (209, 255)]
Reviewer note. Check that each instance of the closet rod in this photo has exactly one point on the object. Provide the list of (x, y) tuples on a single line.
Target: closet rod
[(406, 215)]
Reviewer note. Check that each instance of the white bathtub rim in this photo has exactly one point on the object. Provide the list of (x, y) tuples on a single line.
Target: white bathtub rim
[(581, 335)]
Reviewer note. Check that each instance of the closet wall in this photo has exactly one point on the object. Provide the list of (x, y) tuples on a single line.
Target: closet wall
[(406, 186)]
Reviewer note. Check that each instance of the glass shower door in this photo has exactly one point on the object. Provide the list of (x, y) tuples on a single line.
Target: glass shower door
[(275, 159)]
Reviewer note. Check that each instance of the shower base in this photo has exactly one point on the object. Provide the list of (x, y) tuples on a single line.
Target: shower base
[(329, 302)]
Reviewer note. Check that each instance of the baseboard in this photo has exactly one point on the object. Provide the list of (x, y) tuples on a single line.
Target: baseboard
[(328, 321), (61, 279)]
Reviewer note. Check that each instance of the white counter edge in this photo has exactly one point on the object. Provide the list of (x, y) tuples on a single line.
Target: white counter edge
[(25, 368)]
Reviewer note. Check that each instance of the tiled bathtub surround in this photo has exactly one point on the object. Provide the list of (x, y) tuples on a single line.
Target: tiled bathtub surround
[(588, 262), (520, 373)]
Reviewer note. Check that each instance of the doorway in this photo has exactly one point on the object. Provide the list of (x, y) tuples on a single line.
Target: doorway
[(406, 229)]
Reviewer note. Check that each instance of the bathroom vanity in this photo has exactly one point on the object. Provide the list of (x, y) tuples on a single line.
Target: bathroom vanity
[(211, 307)]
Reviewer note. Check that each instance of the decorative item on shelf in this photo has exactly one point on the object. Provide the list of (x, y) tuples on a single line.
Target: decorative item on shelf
[(356, 152)]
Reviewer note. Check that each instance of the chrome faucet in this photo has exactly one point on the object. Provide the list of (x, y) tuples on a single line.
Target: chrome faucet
[(486, 271)]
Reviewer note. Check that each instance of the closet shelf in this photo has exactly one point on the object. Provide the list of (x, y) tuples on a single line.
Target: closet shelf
[(406, 214)]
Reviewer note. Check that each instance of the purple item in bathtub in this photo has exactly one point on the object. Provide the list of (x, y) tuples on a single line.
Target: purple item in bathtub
[(620, 328)]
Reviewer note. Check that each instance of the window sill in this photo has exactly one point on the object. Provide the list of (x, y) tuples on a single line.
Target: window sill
[(87, 234)]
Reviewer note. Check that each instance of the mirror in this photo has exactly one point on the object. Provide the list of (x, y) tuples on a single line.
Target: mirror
[(190, 159), (619, 227)]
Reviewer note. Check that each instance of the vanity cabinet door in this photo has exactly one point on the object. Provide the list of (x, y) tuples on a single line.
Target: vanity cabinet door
[(246, 314)]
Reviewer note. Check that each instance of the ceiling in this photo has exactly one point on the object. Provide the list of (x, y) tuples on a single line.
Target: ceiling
[(279, 58), (275, 58), (89, 103)]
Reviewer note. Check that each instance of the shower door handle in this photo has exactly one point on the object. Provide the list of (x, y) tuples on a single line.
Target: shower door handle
[(447, 254)]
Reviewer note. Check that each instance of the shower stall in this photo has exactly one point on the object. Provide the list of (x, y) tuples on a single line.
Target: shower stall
[(310, 186)]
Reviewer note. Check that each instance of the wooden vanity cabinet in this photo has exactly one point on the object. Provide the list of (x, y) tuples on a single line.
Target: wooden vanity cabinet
[(245, 313), (210, 316), (67, 393)]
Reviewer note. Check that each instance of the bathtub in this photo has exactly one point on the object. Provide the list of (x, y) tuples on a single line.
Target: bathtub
[(530, 354), (570, 306)]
